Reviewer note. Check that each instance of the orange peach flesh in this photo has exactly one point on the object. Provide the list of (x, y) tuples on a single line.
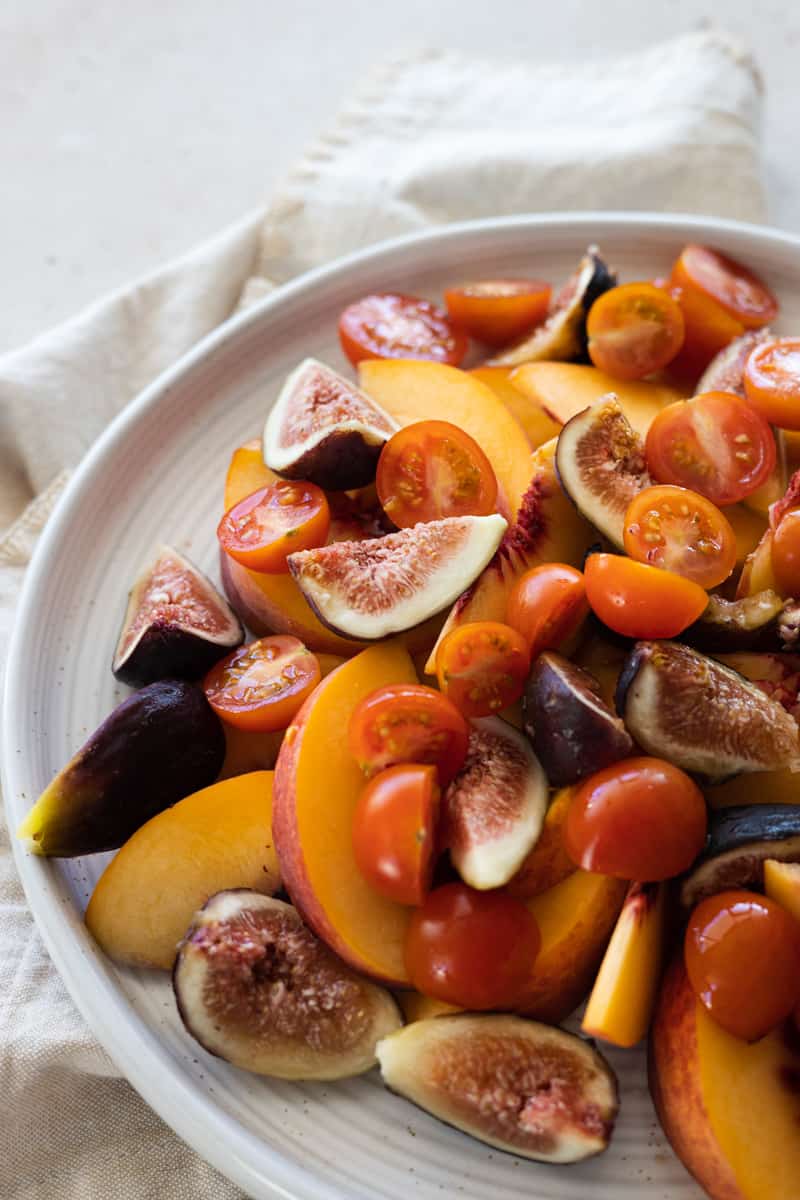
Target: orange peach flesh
[(548, 862), (534, 420)]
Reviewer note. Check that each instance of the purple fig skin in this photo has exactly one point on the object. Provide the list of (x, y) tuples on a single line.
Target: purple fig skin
[(166, 651), (342, 461)]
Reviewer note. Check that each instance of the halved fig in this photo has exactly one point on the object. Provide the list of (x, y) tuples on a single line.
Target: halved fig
[(255, 987), (571, 728), (368, 590), (750, 623), (725, 372), (562, 337), (601, 464), (529, 1089), (325, 429), (176, 626), (702, 716), (492, 812), (739, 842)]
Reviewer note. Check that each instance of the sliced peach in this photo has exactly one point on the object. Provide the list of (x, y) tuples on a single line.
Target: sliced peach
[(416, 1007), (621, 1004), (748, 526), (764, 787), (534, 420), (782, 883), (603, 659), (757, 574), (317, 785), (419, 391), (548, 862), (730, 1109), (215, 839)]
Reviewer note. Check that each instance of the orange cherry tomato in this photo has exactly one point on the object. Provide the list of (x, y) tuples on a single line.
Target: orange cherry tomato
[(785, 553), (736, 289), (262, 686), (633, 330), (261, 530), (772, 381), (677, 530), (497, 311), (742, 954), (408, 723), (482, 667), (474, 949), (433, 469), (394, 828), (715, 444), (639, 601), (547, 605), (708, 328), (390, 325), (639, 819)]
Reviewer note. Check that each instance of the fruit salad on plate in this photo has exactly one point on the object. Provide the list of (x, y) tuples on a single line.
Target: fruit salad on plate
[(496, 723)]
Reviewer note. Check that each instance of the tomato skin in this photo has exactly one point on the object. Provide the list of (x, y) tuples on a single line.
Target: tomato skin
[(729, 284), (497, 311), (432, 469), (640, 601), (474, 949), (641, 819), (547, 605), (772, 381), (261, 686), (714, 444), (742, 954), (785, 553), (271, 523), (394, 831), (408, 722), (634, 329), (677, 530), (391, 325), (482, 667)]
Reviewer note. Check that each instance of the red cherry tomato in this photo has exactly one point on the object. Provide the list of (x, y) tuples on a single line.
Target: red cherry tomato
[(482, 667), (394, 827), (736, 289), (673, 528), (408, 723), (772, 381), (497, 311), (474, 949), (715, 444), (708, 328), (547, 605), (785, 553), (639, 601), (639, 819), (634, 330), (265, 527), (433, 469), (262, 686), (389, 325), (742, 954)]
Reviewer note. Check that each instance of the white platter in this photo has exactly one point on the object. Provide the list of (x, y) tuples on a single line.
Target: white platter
[(157, 474)]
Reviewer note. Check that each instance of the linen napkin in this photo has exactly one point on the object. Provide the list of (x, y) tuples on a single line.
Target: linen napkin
[(430, 138)]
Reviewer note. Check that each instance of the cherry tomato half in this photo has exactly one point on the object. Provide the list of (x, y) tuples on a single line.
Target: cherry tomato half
[(742, 954), (433, 469), (262, 686), (482, 667), (547, 605), (673, 528), (633, 330), (261, 530), (715, 444), (474, 949), (408, 722), (785, 553), (394, 832), (772, 381), (728, 283), (639, 601), (640, 819), (497, 311), (390, 325)]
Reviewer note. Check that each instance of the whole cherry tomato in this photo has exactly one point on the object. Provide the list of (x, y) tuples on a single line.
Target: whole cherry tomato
[(547, 605), (261, 686), (408, 723), (772, 381), (634, 330), (394, 831), (482, 667), (497, 311), (785, 553), (474, 949), (673, 528), (433, 469), (639, 601), (708, 328), (736, 289), (261, 530), (390, 325)]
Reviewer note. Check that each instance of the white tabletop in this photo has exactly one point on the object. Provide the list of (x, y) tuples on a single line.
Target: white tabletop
[(128, 132)]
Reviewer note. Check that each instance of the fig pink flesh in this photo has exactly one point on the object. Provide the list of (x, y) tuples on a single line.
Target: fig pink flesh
[(321, 400), (172, 595)]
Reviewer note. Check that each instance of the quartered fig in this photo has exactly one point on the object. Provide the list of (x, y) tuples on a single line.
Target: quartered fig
[(367, 590), (529, 1089), (725, 372), (740, 840), (494, 808), (256, 987), (601, 465), (325, 429), (750, 623), (161, 744), (571, 728), (176, 626), (700, 715), (562, 337)]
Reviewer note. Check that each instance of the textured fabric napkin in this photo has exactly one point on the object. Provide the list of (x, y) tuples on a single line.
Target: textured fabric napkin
[(430, 139)]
